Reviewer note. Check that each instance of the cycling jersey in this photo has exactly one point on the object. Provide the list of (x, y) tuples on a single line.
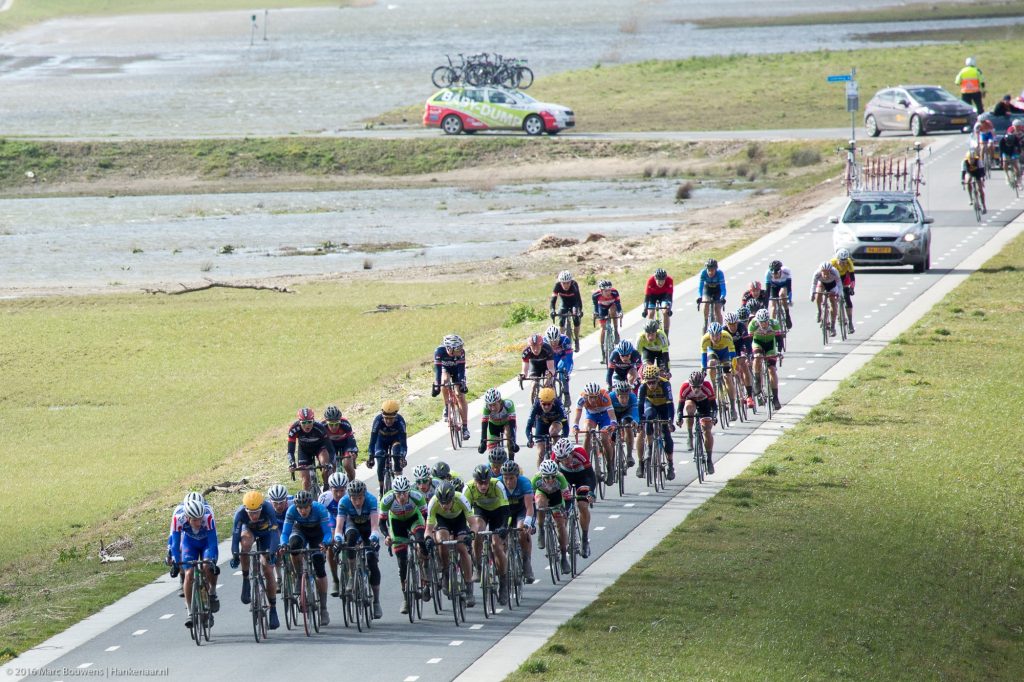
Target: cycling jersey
[(973, 168), (755, 302), (312, 525), (717, 282), (765, 338), (460, 507), (654, 289), (361, 518), (658, 345), (774, 282), (265, 526), (538, 360), (740, 337), (578, 460), (180, 511), (604, 301), (189, 544), (562, 348), (826, 279), (630, 410), (540, 420), (383, 436), (310, 444), (699, 394), (517, 494), (555, 488), (844, 268), (342, 437), (1009, 144), (500, 415), (414, 506), (330, 504), (657, 394), (723, 348), (491, 499), (593, 405), (453, 364), (620, 365), (568, 298)]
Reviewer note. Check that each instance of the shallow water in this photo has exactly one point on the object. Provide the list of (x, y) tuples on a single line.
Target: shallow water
[(86, 243)]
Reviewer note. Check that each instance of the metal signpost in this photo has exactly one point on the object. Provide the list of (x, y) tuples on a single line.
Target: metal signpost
[(852, 97)]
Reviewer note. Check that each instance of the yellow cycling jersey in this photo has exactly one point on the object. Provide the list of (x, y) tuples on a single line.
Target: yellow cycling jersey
[(843, 270), (658, 345), (725, 341)]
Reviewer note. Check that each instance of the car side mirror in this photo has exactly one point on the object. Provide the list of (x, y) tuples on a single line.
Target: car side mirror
[(904, 103), (929, 220), (833, 219)]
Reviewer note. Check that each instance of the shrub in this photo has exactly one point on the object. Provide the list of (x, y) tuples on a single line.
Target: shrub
[(804, 157), (521, 312)]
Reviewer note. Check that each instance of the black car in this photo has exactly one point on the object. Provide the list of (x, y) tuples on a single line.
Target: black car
[(921, 109)]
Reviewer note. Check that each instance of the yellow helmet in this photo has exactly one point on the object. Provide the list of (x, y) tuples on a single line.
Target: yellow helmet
[(546, 395), (650, 372), (389, 408), (253, 500)]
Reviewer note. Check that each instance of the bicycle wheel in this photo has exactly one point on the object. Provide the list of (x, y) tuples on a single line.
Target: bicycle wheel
[(649, 459), (412, 581), (824, 322), (597, 459), (196, 612), (443, 77), (347, 613), (454, 428), (698, 452), (357, 602), (315, 610), (662, 459), (364, 580), (551, 548), (454, 585), (256, 605), (305, 604), (769, 396), (486, 585), (524, 77), (574, 539), (620, 465), (842, 322), (436, 582), (290, 605), (207, 618)]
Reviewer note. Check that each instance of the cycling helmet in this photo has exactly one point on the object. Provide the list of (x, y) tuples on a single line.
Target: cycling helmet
[(825, 265), (755, 285), (401, 484), (711, 263), (622, 387), (591, 389), (563, 448), (775, 265), (552, 334), (714, 329), (481, 473), (195, 509), (306, 415), (356, 487), (339, 479), (389, 408), (731, 318), (303, 498), (624, 347), (843, 254), (604, 284), (277, 493), (696, 378), (332, 414), (193, 496), (535, 339), (546, 395), (509, 467), (652, 327), (252, 500), (452, 342), (743, 313), (421, 473), (491, 396), (548, 468), (498, 455), (660, 273), (442, 470), (650, 372), (445, 492), (969, 61), (565, 276), (762, 315), (1017, 123)]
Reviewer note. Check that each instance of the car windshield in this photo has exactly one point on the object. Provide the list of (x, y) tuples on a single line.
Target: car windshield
[(926, 95), (879, 212), (524, 98)]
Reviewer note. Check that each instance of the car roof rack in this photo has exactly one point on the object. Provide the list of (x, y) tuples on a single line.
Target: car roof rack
[(883, 173)]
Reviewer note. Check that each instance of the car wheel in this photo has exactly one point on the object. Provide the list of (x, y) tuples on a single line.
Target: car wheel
[(451, 124), (533, 125), (872, 126), (916, 126), (925, 263)]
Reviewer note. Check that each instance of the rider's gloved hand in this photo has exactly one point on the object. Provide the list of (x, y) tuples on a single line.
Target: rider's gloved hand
[(435, 391)]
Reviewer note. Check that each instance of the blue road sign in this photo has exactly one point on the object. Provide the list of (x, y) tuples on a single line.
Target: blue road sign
[(839, 78)]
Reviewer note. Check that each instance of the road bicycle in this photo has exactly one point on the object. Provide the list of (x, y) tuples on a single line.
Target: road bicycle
[(199, 607), (569, 324), (289, 593), (778, 314), (539, 382), (388, 462), (552, 551), (259, 605), (656, 455), (453, 413), (516, 579), (308, 596), (489, 577), (574, 546), (362, 593), (621, 456), (317, 473), (720, 390), (562, 387), (543, 443), (974, 192), (435, 578), (699, 457), (456, 581), (413, 591), (446, 76), (827, 301), (659, 312), (763, 383), (1012, 169), (345, 592), (592, 443), (609, 333), (842, 321), (710, 312)]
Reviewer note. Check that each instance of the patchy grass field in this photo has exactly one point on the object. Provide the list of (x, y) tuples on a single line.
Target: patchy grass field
[(914, 11), (880, 539)]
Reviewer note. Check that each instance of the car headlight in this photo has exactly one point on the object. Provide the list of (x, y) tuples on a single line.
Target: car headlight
[(910, 236), (930, 112)]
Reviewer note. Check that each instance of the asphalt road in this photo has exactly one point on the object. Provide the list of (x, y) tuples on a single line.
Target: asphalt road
[(435, 649)]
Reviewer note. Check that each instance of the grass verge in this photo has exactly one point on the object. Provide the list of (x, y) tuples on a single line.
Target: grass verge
[(1002, 32), (915, 11), (879, 539)]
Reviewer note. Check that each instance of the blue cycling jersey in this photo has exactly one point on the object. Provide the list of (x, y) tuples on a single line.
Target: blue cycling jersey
[(309, 524), (717, 281), (522, 488), (631, 409), (383, 436), (351, 517), (264, 524), (183, 536)]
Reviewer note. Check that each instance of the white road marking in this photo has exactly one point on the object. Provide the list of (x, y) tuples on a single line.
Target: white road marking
[(455, 642), (782, 383), (113, 648), (237, 573), (791, 376), (599, 528), (809, 361), (614, 516), (434, 660), (84, 665), (476, 626), (629, 504), (866, 317), (167, 616), (411, 678), (434, 457), (139, 632)]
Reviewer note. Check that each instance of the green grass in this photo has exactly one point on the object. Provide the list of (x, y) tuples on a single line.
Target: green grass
[(24, 12), (917, 11), (880, 539), (1004, 32)]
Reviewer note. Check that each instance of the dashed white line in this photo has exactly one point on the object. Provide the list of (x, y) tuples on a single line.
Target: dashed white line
[(139, 632), (819, 355), (113, 648), (433, 661), (629, 504), (434, 457), (411, 678), (782, 383), (809, 361), (476, 626), (645, 493), (455, 642), (239, 572), (599, 528), (167, 616), (614, 516), (84, 665), (866, 317)]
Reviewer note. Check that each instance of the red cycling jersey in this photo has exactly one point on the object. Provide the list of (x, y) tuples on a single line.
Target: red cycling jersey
[(703, 392), (578, 460), (654, 290)]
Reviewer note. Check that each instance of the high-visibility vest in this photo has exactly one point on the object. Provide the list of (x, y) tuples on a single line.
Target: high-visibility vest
[(969, 79)]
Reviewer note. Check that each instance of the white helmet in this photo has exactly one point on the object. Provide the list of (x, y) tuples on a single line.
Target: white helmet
[(548, 468), (452, 342), (194, 509), (193, 496), (843, 254), (277, 493), (491, 396), (552, 334), (970, 62), (762, 315), (565, 276), (338, 479), (592, 389), (563, 448), (401, 484)]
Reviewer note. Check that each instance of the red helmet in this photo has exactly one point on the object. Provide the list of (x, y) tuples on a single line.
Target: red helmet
[(535, 340), (755, 285), (306, 415)]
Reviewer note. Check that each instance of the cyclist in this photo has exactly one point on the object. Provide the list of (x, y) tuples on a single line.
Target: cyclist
[(490, 508), (755, 297), (972, 169), (306, 525), (600, 414), (561, 347), (450, 367), (627, 414), (538, 360), (697, 398), (330, 499), (359, 520), (658, 293), (519, 492), (1010, 147), (495, 458), (718, 342), (175, 569), (387, 435), (340, 432), (656, 398), (825, 283), (256, 521), (574, 464), (548, 419), (313, 442), (736, 325), (551, 490), (194, 537), (624, 363), (711, 290), (653, 346), (984, 134), (403, 513), (280, 500), (567, 294), (442, 472), (844, 266), (448, 518), (498, 419), (779, 283), (764, 333), (604, 298), (424, 481)]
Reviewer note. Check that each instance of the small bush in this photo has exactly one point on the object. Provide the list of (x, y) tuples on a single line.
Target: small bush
[(684, 191), (522, 312), (662, 172), (804, 157), (734, 223), (648, 171), (227, 249), (754, 151), (535, 667), (742, 170), (591, 280), (206, 266), (136, 250), (767, 470)]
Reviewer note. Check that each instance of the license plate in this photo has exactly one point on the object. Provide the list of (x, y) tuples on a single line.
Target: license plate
[(959, 121), (879, 249)]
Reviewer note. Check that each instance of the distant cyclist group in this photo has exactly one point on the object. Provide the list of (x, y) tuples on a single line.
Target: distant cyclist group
[(450, 534)]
